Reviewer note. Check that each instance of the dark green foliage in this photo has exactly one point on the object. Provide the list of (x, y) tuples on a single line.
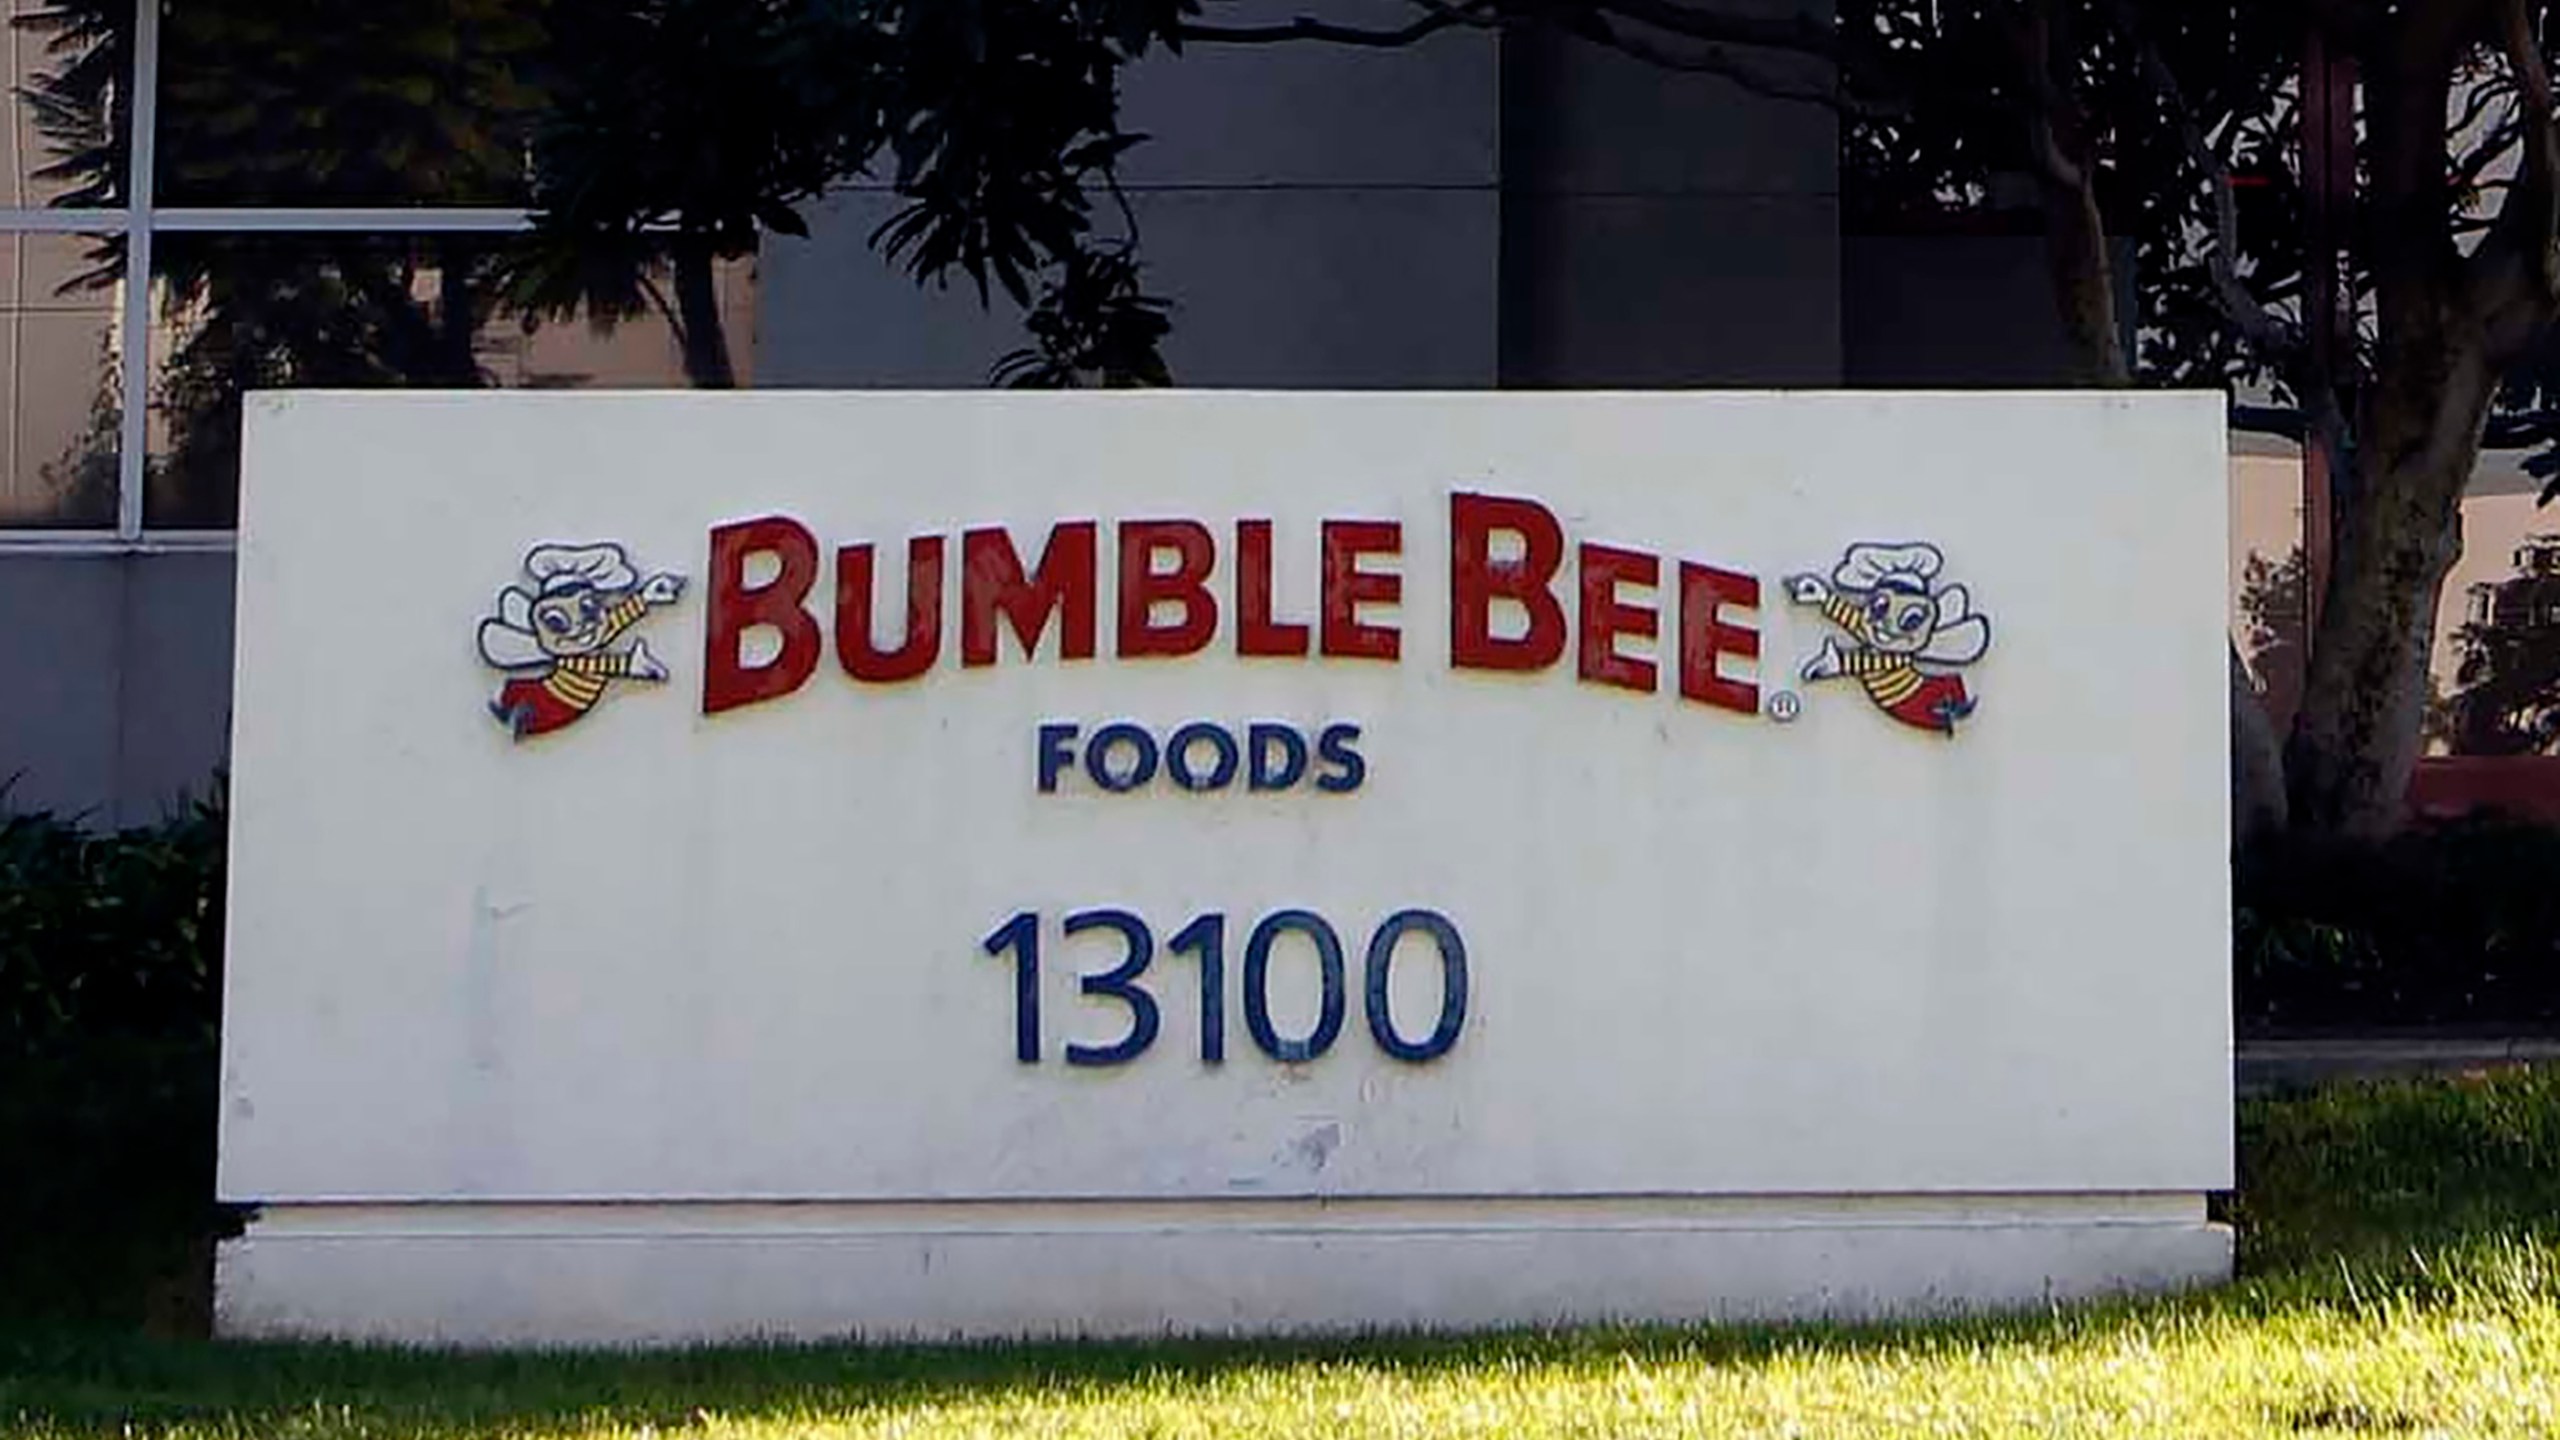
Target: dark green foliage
[(1955, 148), (306, 103), (295, 103), (110, 936), (674, 133), (323, 311), (1094, 325), (314, 102), (2508, 678), (653, 140), (998, 114), (2450, 924), (79, 99), (107, 1218), (110, 993)]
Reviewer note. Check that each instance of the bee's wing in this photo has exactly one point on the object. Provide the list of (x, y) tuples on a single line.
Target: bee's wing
[(506, 640), (509, 648), (1961, 643), (1953, 605)]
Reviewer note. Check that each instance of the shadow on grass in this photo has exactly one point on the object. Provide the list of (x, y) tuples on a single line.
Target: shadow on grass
[(2354, 1203), (110, 1385)]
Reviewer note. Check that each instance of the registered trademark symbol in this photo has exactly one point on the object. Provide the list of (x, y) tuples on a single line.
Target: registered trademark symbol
[(1785, 705)]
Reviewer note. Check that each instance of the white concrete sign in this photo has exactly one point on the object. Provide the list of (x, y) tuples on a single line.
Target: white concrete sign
[(998, 863)]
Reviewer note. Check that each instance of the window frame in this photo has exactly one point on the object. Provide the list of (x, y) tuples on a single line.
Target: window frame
[(136, 222)]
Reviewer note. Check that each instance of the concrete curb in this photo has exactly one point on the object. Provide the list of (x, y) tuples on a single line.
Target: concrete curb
[(2262, 1066)]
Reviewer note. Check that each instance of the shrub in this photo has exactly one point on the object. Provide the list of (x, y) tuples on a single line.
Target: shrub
[(2449, 924), (110, 998), (111, 935), (107, 1215)]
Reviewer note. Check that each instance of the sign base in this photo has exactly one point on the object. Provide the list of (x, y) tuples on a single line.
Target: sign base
[(649, 1273)]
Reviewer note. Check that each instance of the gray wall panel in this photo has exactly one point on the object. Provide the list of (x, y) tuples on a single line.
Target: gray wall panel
[(1657, 290), (1663, 228), (59, 618), (1585, 119), (1287, 288), (830, 312), (1350, 289), (119, 674), (1968, 310), (177, 700), (1316, 114)]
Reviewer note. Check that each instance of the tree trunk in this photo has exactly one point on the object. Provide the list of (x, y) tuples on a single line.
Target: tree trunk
[(2084, 281), (2066, 169), (698, 329), (2356, 739), (2444, 327)]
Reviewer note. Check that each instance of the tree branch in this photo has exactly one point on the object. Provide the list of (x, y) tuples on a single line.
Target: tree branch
[(1719, 61), (1797, 34), (2514, 276), (1436, 18), (1803, 35), (2260, 328), (2279, 344), (2033, 39)]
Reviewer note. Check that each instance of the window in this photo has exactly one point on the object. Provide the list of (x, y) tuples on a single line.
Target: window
[(318, 195)]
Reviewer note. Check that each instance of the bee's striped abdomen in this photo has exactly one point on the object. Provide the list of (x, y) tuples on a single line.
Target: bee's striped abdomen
[(579, 680), (1890, 679)]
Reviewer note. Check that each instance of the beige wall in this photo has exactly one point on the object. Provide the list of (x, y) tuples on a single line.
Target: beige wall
[(55, 355), (2266, 507), (56, 365), (2498, 514)]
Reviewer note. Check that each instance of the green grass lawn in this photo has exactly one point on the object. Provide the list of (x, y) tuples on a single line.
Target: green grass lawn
[(2400, 1251)]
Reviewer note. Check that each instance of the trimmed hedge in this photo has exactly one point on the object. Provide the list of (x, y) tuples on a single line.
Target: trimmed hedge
[(110, 999), (110, 934), (107, 1215), (2451, 925)]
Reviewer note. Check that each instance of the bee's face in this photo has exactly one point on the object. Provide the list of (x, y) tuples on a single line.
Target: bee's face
[(569, 623), (1899, 622)]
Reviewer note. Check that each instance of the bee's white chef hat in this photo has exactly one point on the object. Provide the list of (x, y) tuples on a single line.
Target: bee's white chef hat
[(571, 567), (1889, 567)]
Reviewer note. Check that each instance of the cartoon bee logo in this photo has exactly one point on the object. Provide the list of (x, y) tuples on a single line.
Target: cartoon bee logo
[(554, 635), (1907, 634)]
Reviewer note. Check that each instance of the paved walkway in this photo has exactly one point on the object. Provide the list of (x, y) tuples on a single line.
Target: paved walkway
[(2264, 1065)]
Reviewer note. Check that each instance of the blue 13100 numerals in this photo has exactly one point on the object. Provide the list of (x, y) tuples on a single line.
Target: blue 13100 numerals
[(1205, 940)]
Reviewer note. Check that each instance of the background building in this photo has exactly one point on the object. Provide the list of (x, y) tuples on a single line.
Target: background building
[(1469, 213)]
